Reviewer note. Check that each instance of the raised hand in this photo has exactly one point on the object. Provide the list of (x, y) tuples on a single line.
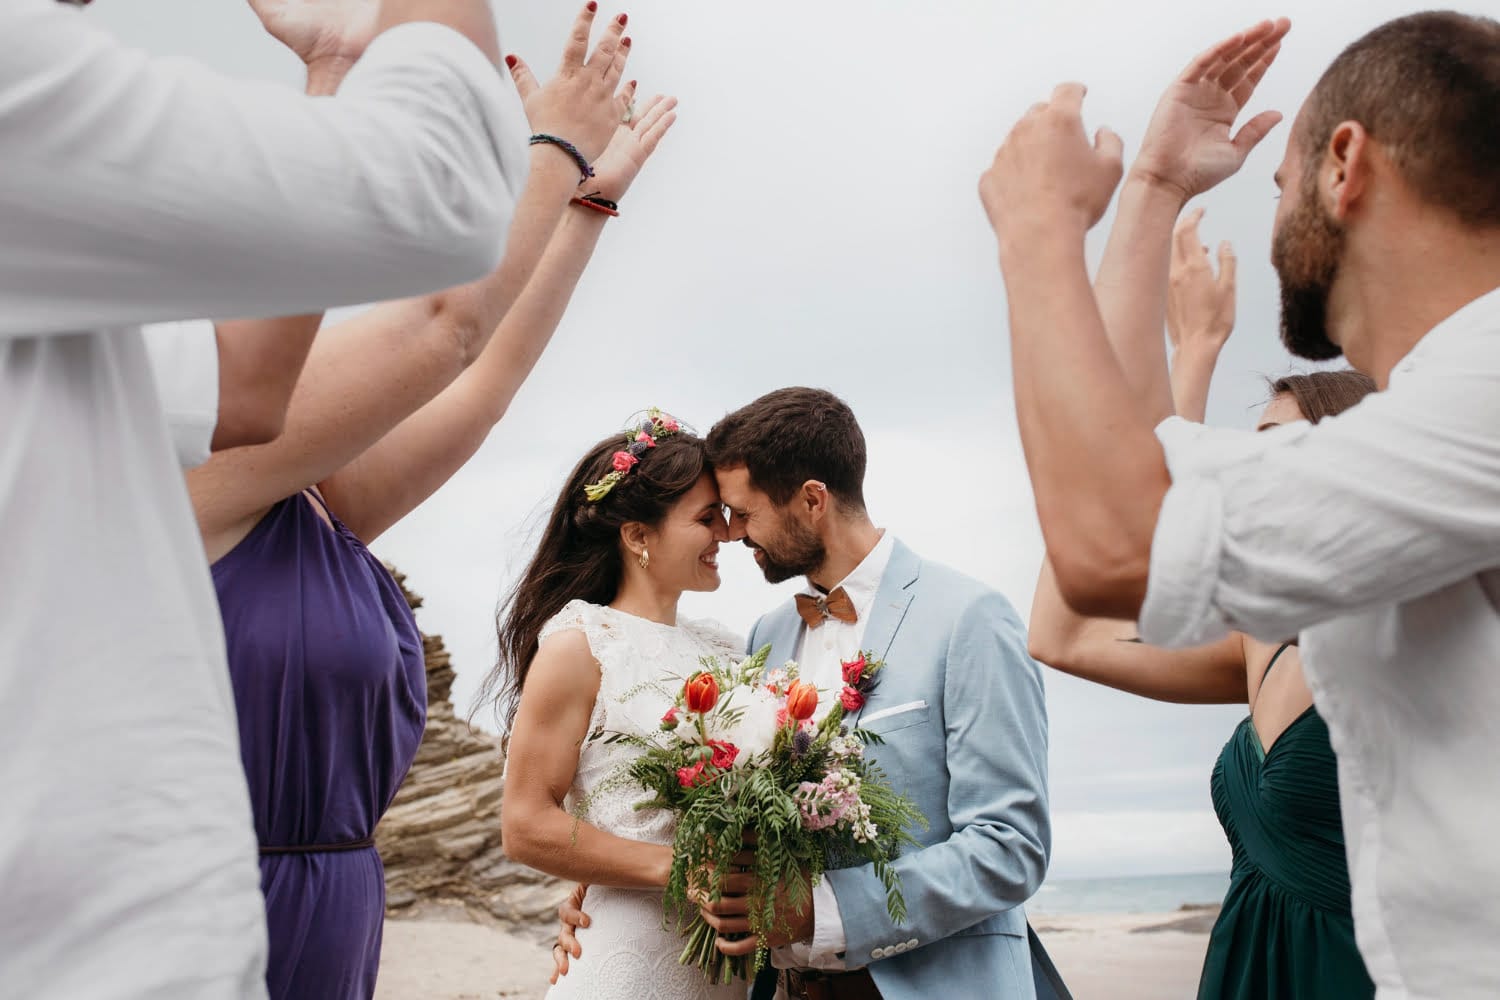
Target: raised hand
[(1047, 173), (1200, 306), (321, 32), (582, 103), (1188, 145), (633, 144)]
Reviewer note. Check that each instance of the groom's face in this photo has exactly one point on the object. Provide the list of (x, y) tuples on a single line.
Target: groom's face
[(783, 546)]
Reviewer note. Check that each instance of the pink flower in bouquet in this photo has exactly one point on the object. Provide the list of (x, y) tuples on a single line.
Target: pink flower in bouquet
[(701, 692), (669, 721), (646, 439), (781, 718), (854, 670), (801, 701), (724, 754), (690, 777), (852, 700), (623, 460)]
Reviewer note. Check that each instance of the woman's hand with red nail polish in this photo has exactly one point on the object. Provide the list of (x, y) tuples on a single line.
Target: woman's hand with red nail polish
[(583, 103)]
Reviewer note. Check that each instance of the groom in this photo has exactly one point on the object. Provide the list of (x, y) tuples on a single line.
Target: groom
[(959, 708)]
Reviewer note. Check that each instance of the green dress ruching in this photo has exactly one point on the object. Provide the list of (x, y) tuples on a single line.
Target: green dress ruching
[(1286, 929)]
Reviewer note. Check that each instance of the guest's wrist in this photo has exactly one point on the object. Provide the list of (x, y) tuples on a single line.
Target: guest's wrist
[(324, 75)]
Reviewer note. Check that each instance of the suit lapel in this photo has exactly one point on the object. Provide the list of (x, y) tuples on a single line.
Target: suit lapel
[(891, 602)]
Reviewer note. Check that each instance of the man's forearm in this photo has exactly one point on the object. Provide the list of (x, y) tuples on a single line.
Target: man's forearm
[(1096, 467), (1132, 287), (471, 18)]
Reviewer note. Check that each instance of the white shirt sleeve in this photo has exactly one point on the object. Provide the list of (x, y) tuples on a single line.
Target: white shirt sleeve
[(184, 359), (827, 944), (1272, 533), (137, 189)]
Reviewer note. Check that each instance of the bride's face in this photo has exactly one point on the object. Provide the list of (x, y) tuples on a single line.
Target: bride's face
[(684, 547)]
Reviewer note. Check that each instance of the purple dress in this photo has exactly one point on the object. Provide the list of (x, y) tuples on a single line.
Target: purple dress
[(330, 688)]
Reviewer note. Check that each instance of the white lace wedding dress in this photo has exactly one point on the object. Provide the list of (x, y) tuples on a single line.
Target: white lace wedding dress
[(628, 952)]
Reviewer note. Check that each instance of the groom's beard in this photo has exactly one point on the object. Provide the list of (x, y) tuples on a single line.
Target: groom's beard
[(1306, 254), (798, 552)]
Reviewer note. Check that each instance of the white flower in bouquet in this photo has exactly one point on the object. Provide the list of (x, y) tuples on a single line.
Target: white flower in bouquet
[(752, 725)]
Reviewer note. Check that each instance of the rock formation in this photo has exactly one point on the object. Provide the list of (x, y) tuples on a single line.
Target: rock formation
[(441, 838)]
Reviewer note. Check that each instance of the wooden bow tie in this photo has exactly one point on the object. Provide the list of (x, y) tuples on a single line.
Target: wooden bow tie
[(817, 610)]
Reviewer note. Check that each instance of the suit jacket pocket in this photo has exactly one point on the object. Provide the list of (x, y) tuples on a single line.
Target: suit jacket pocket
[(889, 720)]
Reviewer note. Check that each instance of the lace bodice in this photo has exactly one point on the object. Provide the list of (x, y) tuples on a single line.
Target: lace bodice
[(642, 665)]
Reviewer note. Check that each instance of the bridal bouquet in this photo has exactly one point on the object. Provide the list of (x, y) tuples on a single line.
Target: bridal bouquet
[(738, 757)]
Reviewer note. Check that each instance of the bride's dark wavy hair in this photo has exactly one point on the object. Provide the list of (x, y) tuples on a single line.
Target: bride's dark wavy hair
[(579, 556)]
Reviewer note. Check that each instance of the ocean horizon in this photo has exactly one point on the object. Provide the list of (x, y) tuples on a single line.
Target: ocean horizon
[(1129, 893)]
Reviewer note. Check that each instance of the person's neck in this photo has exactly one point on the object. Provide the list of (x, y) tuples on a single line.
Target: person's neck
[(1432, 270), (641, 598), (849, 541)]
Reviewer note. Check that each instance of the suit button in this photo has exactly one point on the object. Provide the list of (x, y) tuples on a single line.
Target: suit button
[(901, 948), (878, 954), (912, 943)]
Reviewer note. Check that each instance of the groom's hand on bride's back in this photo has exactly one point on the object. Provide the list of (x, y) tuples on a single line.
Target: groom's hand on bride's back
[(572, 916)]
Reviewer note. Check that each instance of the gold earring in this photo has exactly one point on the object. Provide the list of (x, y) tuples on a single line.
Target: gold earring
[(645, 558)]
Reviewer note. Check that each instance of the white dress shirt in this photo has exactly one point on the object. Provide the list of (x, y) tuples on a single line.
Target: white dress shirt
[(184, 360), (135, 190), (1376, 536), (821, 653)]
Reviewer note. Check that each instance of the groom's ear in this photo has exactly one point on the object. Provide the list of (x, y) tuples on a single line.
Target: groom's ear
[(814, 497)]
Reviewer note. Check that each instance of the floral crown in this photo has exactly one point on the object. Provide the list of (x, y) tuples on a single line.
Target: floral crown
[(640, 438)]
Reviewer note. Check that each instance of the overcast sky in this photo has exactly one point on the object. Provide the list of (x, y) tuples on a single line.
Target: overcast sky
[(813, 219)]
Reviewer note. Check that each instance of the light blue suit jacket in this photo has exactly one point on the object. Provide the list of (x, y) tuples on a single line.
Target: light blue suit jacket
[(969, 746)]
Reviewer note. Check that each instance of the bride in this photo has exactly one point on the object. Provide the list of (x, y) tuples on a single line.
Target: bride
[(587, 634)]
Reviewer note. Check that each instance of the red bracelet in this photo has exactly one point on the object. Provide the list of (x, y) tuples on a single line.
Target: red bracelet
[(598, 204)]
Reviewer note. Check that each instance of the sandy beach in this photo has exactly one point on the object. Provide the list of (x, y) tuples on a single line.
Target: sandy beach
[(1113, 956)]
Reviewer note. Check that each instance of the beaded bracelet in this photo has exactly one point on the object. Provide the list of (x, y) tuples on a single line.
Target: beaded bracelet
[(597, 203), (567, 147)]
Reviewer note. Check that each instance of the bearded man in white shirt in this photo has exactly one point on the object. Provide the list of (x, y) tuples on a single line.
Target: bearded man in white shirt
[(1374, 536), (133, 191)]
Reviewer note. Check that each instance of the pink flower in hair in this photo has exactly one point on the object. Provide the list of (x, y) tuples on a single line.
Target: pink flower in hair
[(624, 460), (646, 439)]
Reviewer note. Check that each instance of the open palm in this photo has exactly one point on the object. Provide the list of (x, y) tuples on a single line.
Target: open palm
[(632, 145), (321, 29), (1188, 143)]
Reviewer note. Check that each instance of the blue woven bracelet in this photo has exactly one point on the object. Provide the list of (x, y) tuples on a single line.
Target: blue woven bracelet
[(567, 147)]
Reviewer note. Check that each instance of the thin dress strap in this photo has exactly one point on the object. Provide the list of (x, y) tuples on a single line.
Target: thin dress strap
[(1275, 656)]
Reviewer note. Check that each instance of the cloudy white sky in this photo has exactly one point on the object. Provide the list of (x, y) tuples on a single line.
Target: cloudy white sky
[(813, 220)]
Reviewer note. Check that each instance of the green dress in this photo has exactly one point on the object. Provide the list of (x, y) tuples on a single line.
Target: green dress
[(1285, 930)]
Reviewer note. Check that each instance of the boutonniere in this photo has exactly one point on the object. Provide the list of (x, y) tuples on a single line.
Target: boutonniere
[(861, 674)]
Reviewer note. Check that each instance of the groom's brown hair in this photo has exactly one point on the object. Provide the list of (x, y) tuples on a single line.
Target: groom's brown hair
[(790, 436)]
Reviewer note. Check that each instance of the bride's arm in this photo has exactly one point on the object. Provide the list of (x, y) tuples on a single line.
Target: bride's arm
[(551, 724)]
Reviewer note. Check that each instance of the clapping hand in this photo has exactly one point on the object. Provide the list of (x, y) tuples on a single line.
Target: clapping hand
[(1188, 145), (1200, 306), (328, 36), (631, 147), (1048, 174), (583, 103)]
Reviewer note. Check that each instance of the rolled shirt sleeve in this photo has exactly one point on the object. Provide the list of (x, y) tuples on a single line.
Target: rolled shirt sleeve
[(184, 359), (1271, 533), (139, 189)]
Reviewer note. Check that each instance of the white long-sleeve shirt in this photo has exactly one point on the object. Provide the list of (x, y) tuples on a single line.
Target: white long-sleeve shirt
[(1376, 536), (134, 190)]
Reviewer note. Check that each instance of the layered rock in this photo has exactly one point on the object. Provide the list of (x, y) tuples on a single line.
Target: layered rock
[(441, 838)]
